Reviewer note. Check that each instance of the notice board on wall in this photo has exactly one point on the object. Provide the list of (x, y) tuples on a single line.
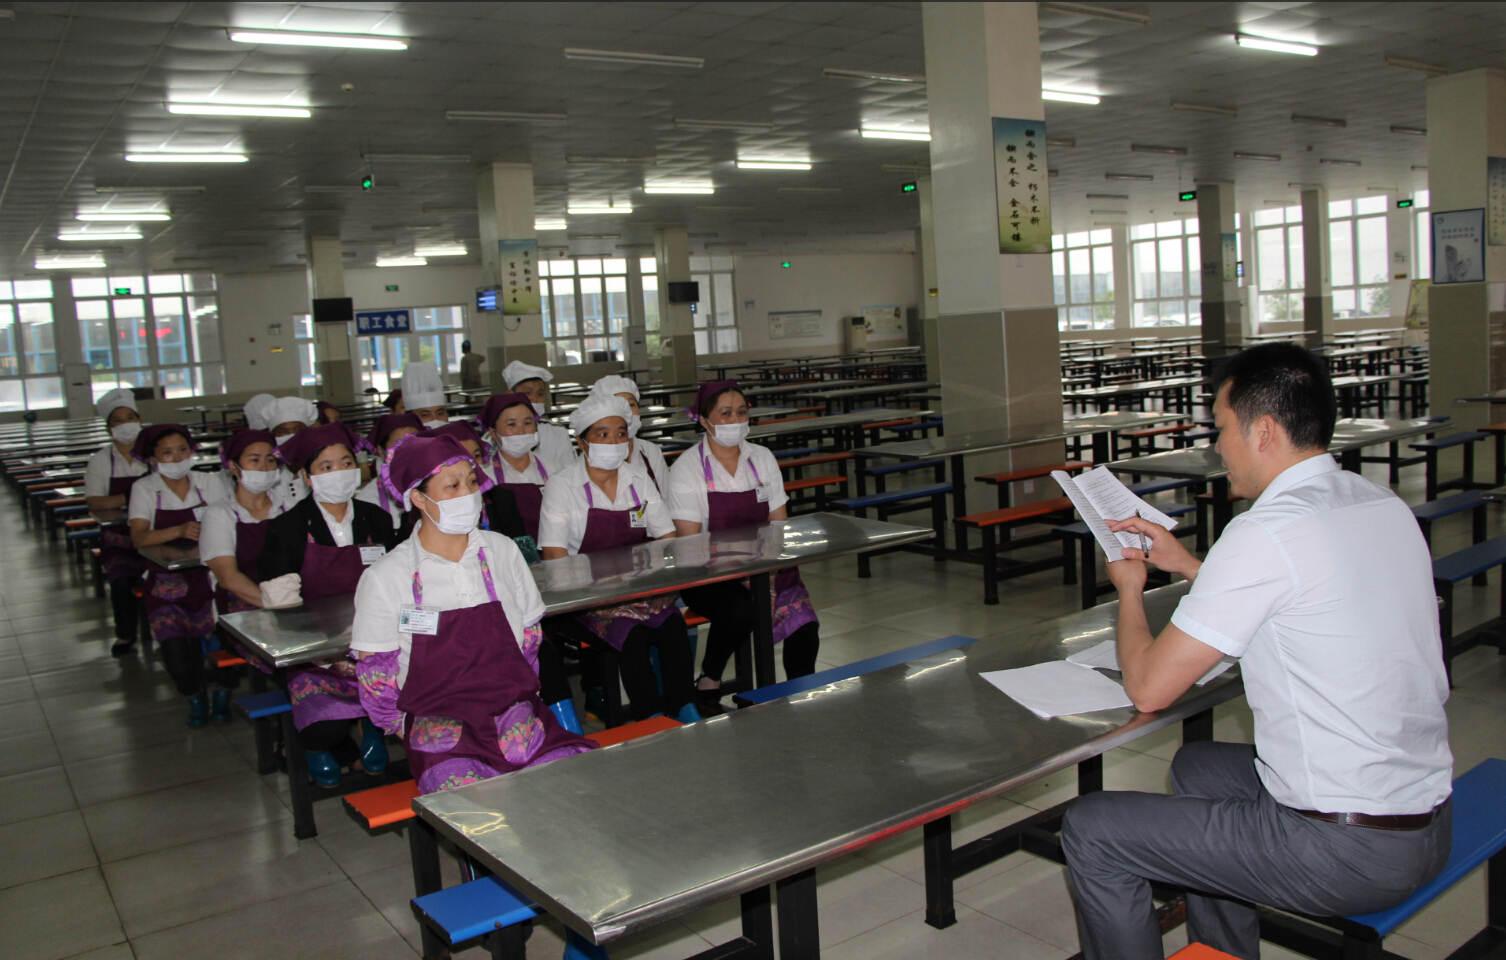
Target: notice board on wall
[(885, 323), (791, 324)]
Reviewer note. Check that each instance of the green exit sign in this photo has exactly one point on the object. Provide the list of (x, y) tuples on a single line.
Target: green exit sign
[(392, 288), (1403, 204), (1187, 195), (785, 264), (122, 291), (910, 187)]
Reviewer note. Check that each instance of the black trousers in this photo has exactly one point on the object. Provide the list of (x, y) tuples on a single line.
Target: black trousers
[(675, 667), (331, 735), (729, 607), (184, 659), (126, 607), (554, 685)]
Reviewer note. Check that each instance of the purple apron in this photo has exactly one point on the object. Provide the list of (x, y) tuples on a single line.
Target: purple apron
[(333, 692), (650, 471), (724, 511), (249, 538), (530, 496), (471, 707), (178, 603), (606, 529), (117, 552)]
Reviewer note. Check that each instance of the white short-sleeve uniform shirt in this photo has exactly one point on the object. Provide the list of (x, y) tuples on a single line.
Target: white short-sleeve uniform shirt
[(104, 465), (555, 444), (563, 515), (205, 489), (372, 493), (756, 466), (217, 533)]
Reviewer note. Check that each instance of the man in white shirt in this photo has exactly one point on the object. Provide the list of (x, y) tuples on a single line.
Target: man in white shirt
[(1324, 591)]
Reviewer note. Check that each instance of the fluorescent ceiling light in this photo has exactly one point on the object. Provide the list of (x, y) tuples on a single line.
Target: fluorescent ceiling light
[(1410, 131), (908, 168), (505, 116), (549, 225), (1107, 213), (1102, 13), (1068, 142), (1205, 108), (633, 57), (1406, 64), (1139, 177), (1153, 148), (415, 157), (810, 189), (837, 73), (874, 133), (186, 157), (1272, 157), (686, 124), (646, 161), (1417, 169), (1340, 163), (772, 165), (401, 262), (441, 250), (598, 208), (1277, 46), (1108, 196), (697, 188), (71, 263), (1067, 97), (90, 237), (148, 191), (122, 217), (236, 110), (1319, 121), (355, 41)]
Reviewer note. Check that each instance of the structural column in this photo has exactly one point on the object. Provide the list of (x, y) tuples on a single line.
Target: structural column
[(997, 342), (1466, 126), (1223, 324), (504, 198), (928, 296), (337, 371), (676, 322), (1317, 274)]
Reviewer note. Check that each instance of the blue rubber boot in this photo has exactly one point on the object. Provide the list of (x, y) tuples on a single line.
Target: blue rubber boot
[(198, 710), (564, 712), (219, 709), (688, 714), (323, 767), (578, 948), (596, 703), (373, 748)]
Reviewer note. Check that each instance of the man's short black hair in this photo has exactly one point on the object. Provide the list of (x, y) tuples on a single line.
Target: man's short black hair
[(1286, 381)]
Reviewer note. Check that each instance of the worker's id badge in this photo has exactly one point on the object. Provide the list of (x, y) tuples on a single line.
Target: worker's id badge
[(638, 516), (371, 553), (764, 493), (417, 621)]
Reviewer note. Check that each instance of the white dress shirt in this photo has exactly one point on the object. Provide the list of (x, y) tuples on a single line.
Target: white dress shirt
[(562, 517), (205, 489), (687, 479), (387, 587), (343, 531), (555, 445), (217, 533), (648, 457), (530, 474), (1324, 590), (105, 464)]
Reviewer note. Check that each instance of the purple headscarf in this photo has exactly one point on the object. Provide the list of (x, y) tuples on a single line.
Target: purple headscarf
[(498, 402), (308, 442), (708, 390), (461, 430), (146, 440), (417, 457), (231, 450), (384, 426), (322, 406)]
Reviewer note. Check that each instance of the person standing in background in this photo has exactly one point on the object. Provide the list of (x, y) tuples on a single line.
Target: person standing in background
[(470, 367)]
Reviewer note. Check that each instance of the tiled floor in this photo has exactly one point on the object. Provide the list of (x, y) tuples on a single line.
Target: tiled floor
[(124, 834)]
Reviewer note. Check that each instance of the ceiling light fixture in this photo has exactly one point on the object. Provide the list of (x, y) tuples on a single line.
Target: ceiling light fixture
[(83, 261), (1102, 13), (1272, 157), (1107, 213), (418, 157), (589, 209), (1068, 142), (646, 161), (724, 209), (401, 262), (1108, 196), (905, 168), (596, 236), (122, 217), (441, 250), (772, 165), (1319, 121), (876, 133), (346, 187), (166, 157), (686, 124), (548, 225), (147, 191), (1410, 131), (1139, 177), (1153, 148), (1067, 97), (354, 41), (1205, 108), (90, 237), (237, 110), (505, 116), (1417, 169), (1340, 163), (1276, 46), (704, 189), (633, 57), (1406, 64), (839, 73)]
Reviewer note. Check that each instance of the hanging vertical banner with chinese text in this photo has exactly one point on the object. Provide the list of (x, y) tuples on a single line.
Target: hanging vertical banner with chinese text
[(1021, 175), (1495, 201), (520, 277)]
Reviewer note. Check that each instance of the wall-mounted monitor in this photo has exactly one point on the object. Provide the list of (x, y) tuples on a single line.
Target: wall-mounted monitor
[(684, 291), (334, 310), (488, 300)]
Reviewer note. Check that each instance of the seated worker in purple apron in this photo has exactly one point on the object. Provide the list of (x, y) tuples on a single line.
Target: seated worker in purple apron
[(516, 465), (320, 548), (234, 529), (446, 633), (423, 392), (532, 382), (328, 412), (385, 433), (601, 502), (723, 482), (108, 478), (166, 507), (286, 417), (644, 454), (500, 505)]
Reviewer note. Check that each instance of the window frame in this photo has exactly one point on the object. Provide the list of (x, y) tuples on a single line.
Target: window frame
[(1291, 293), (613, 331), (1074, 314), (1189, 243), (205, 375), (1352, 223), (710, 272)]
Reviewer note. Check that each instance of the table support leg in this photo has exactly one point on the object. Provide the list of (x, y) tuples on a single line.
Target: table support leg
[(298, 782), (1199, 726), (763, 629), (940, 911), (1090, 775), (266, 757), (423, 854), (799, 925), (959, 505)]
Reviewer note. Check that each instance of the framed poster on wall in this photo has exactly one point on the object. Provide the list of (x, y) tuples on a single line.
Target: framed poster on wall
[(1459, 246), (1021, 178), (792, 324), (885, 323)]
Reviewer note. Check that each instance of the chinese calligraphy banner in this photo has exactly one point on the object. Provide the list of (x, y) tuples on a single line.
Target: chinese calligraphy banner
[(375, 322), (1020, 173), (1459, 246), (520, 277), (1495, 202)]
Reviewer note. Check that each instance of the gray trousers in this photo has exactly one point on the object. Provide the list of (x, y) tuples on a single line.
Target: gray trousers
[(1224, 839)]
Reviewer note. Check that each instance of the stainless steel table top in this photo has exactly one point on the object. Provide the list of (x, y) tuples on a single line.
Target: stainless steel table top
[(1352, 433), (903, 386), (106, 518), (988, 441), (321, 628), (816, 424), (1193, 463), (618, 840), (177, 555)]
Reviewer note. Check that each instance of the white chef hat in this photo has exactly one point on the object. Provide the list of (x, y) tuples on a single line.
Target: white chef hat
[(422, 386), (256, 411), (595, 408), (611, 385), (290, 410), (518, 371), (114, 400)]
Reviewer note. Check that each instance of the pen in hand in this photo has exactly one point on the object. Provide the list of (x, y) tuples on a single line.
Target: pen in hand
[(1143, 548)]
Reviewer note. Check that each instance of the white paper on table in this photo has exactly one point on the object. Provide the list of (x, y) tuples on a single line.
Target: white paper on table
[(1058, 688), (1106, 656)]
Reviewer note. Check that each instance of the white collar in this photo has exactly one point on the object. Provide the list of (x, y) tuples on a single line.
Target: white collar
[(1296, 473), (473, 545)]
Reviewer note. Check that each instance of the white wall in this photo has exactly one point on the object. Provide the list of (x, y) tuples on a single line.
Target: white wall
[(838, 284)]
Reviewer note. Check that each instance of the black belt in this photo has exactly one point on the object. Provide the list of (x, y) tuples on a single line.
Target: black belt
[(1405, 821)]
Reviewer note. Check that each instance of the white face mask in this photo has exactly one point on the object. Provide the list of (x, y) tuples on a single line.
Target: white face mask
[(606, 456), (431, 424), (730, 434), (258, 481), (176, 470), (634, 422), (285, 438), (458, 515), (337, 486), (125, 432), (538, 410), (518, 444)]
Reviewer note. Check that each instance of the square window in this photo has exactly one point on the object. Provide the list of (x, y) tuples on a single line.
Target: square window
[(647, 265)]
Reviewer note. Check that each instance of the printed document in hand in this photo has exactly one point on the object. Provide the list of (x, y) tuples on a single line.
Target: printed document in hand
[(1106, 655), (1058, 688), (1099, 496)]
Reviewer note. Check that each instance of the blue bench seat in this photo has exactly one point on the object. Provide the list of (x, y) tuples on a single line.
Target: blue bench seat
[(480, 908), (1472, 561), (1430, 449), (900, 501), (258, 705), (787, 688)]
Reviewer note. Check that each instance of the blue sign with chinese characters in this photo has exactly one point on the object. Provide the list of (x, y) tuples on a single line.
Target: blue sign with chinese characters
[(371, 322)]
